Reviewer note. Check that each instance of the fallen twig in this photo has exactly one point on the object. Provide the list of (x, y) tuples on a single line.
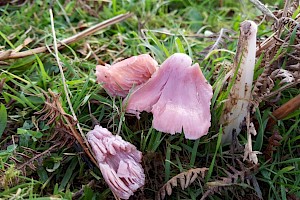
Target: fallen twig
[(284, 111), (37, 156), (263, 9), (11, 54)]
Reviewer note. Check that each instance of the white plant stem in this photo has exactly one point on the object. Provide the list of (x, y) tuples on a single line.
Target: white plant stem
[(236, 107)]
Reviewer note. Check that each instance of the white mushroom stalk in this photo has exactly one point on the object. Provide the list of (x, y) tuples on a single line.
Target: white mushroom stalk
[(237, 105)]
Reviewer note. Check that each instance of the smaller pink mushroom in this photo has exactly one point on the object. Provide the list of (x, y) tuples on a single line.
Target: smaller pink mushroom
[(179, 97), (120, 77), (118, 160)]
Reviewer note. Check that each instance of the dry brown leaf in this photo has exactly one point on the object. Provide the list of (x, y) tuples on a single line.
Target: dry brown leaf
[(185, 179), (64, 123), (280, 58), (233, 178)]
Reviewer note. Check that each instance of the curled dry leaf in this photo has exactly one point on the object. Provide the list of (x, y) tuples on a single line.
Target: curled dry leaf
[(65, 131), (248, 152), (284, 75), (280, 50), (273, 142), (237, 175), (54, 114)]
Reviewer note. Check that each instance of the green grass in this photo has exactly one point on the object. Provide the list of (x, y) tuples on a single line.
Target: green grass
[(160, 28)]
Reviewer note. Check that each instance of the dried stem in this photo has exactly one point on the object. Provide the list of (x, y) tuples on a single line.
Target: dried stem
[(78, 138), (37, 156), (284, 111), (61, 71), (263, 9), (12, 54)]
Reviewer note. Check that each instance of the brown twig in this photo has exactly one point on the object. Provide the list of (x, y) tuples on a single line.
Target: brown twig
[(263, 9), (37, 156), (11, 54), (284, 111)]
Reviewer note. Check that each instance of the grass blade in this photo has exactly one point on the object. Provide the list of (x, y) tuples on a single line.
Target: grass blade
[(3, 119)]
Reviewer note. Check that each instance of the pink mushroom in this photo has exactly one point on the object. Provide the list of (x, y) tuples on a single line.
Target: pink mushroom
[(179, 97), (118, 160), (119, 78)]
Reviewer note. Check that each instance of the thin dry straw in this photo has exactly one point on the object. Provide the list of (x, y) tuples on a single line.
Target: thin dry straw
[(12, 54)]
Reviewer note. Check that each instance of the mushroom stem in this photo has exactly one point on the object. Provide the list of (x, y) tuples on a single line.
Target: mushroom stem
[(236, 107)]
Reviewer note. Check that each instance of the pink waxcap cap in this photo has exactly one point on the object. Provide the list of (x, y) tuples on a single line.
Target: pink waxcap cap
[(119, 78), (179, 97)]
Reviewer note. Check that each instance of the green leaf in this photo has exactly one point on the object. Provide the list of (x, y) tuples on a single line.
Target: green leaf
[(43, 72), (88, 193), (262, 121), (7, 40), (42, 173), (5, 154), (179, 45), (194, 152), (3, 119), (68, 174), (15, 98), (178, 148), (211, 167), (33, 134), (167, 163)]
